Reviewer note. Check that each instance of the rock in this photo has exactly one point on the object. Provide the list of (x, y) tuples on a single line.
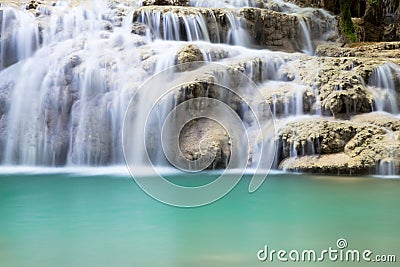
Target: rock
[(166, 3), (324, 164), (365, 50), (266, 28), (330, 50), (32, 5), (326, 4), (141, 29), (5, 92), (3, 135), (205, 137), (216, 53), (313, 137), (353, 100), (374, 20), (369, 32), (108, 26), (263, 24), (189, 54), (93, 136), (367, 141), (115, 16), (38, 7), (284, 98), (370, 146), (380, 119), (340, 83)]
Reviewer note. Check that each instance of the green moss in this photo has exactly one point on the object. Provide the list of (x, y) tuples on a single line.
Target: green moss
[(346, 24)]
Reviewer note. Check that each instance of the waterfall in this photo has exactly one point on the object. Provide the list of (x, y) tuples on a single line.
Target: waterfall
[(383, 83), (193, 25), (237, 34), (68, 73), (224, 22), (66, 97), (223, 3), (19, 36), (306, 42)]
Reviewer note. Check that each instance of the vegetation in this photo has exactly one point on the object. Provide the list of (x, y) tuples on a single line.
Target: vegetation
[(347, 25), (372, 15)]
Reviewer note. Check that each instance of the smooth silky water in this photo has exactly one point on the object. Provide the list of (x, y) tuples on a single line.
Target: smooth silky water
[(89, 219), (99, 216)]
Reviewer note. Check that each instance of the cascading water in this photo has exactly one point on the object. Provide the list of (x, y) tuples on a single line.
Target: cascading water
[(383, 83), (222, 3), (68, 73), (308, 48), (172, 23), (19, 38), (68, 108), (223, 22)]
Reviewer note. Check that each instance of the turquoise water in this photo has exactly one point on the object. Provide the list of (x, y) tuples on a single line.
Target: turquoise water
[(73, 220)]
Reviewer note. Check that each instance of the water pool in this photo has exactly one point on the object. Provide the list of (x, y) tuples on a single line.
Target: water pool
[(61, 219)]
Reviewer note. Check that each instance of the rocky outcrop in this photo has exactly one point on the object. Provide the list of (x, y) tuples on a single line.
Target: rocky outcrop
[(288, 99), (187, 55), (141, 29), (206, 138), (165, 2), (265, 28), (357, 146), (310, 137), (263, 24), (340, 83), (362, 50), (325, 4), (373, 21)]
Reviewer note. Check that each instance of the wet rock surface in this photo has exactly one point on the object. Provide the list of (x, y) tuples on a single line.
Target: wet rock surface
[(165, 2), (187, 55), (265, 27), (324, 105), (357, 146), (206, 138), (363, 50)]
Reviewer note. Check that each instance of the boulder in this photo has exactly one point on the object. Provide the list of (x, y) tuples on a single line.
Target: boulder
[(189, 54), (205, 137), (142, 29)]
